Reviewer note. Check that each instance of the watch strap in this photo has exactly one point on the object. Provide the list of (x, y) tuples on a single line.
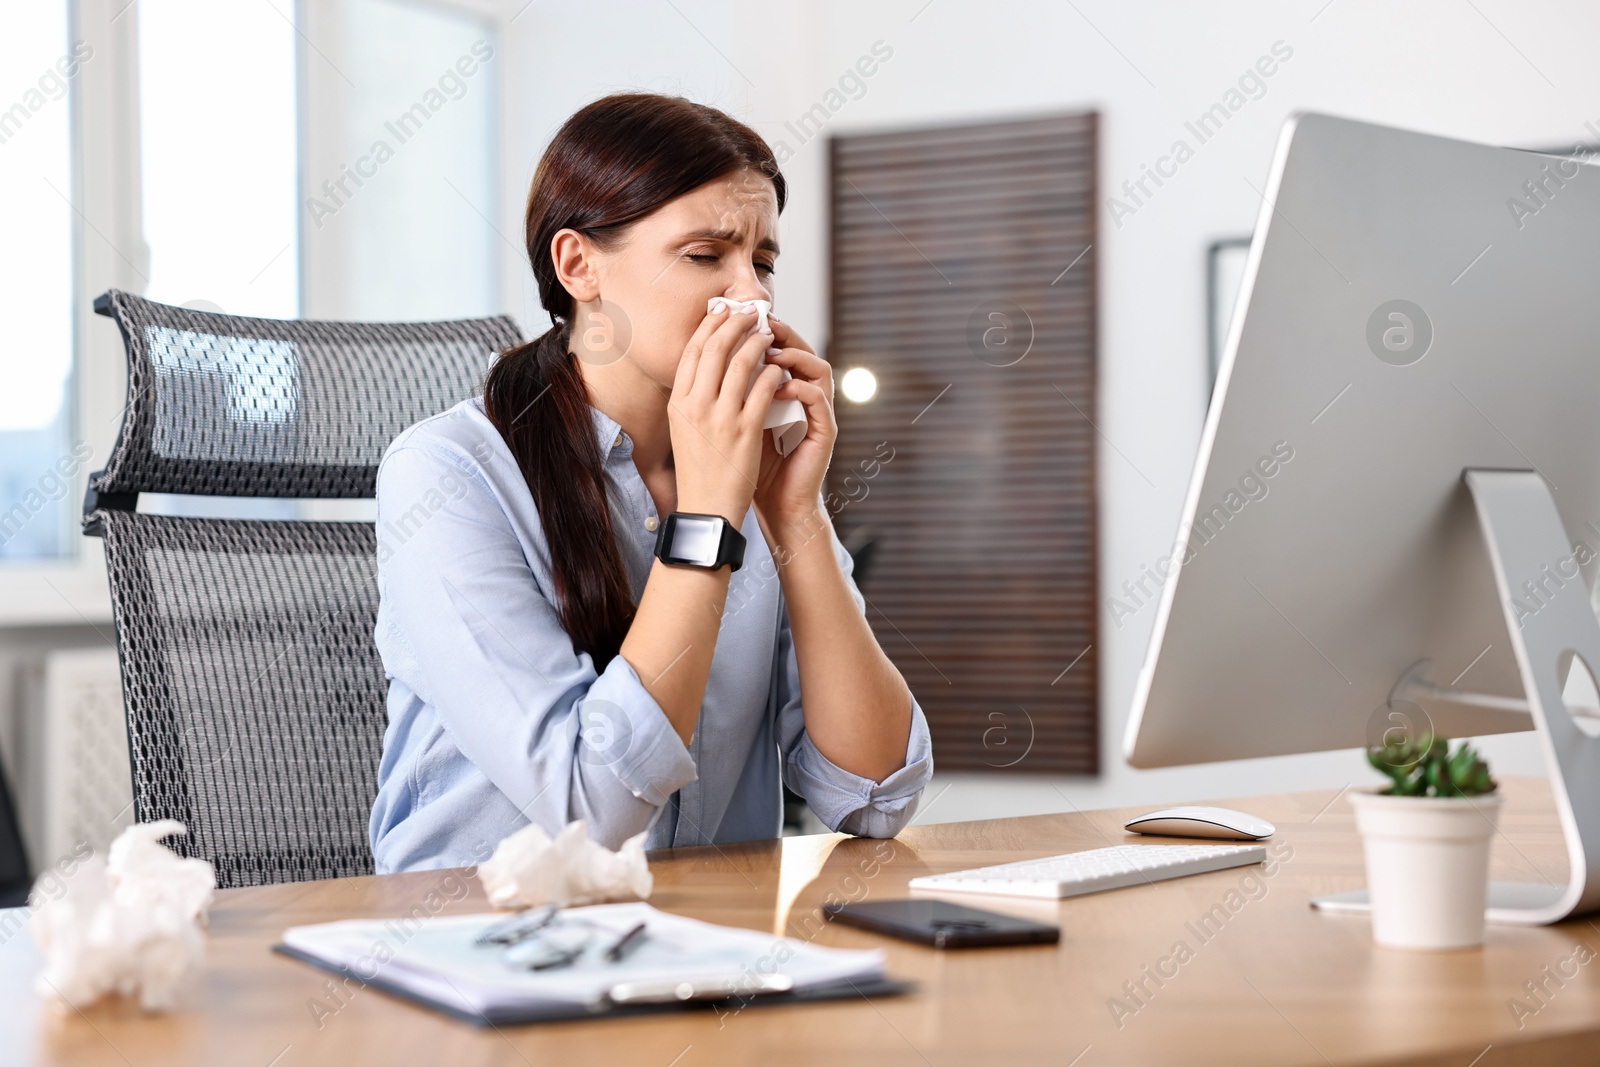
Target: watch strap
[(731, 550)]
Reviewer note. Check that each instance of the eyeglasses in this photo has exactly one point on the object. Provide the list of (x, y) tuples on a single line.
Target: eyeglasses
[(519, 927), (541, 938)]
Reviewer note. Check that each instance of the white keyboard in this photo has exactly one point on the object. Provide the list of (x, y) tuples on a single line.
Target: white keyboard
[(1077, 873)]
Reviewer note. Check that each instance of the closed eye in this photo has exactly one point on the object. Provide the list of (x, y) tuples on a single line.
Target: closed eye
[(767, 270)]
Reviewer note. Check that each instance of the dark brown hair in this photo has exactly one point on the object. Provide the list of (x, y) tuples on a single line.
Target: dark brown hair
[(611, 164)]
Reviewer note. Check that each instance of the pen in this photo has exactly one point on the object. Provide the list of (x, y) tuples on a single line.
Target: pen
[(624, 945)]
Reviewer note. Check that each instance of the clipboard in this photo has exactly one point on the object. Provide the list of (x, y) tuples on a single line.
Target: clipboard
[(687, 965), (876, 987)]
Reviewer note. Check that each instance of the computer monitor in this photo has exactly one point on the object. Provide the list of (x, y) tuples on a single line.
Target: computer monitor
[(1413, 308)]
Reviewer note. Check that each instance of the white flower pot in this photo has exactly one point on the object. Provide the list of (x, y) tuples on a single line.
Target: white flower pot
[(1427, 867)]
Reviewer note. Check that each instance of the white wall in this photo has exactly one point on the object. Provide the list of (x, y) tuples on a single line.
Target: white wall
[(1496, 71)]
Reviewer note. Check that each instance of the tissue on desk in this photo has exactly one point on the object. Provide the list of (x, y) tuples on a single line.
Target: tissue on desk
[(528, 869), (127, 924), (786, 418)]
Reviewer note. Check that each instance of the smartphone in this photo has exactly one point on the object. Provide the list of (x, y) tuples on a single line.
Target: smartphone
[(942, 924)]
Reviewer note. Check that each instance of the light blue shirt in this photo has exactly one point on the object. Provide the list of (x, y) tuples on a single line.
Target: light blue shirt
[(494, 718)]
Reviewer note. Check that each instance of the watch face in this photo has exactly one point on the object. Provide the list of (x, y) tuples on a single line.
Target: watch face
[(695, 540)]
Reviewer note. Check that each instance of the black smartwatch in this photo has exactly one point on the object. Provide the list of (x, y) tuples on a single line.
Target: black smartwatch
[(708, 541)]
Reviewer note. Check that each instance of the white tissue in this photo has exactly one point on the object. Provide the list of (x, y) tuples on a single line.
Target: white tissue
[(126, 924), (528, 869), (786, 418), (763, 308)]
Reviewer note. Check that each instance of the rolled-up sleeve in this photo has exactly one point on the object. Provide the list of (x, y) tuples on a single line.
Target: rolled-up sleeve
[(467, 627), (845, 801)]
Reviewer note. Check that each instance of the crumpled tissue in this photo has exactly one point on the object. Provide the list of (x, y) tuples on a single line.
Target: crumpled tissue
[(129, 923), (786, 418), (528, 869)]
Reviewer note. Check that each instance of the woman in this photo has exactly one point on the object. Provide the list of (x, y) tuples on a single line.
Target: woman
[(543, 664)]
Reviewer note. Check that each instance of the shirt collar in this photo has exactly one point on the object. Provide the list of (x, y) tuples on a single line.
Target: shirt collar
[(608, 434)]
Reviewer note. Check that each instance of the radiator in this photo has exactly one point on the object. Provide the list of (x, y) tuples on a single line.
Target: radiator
[(85, 786)]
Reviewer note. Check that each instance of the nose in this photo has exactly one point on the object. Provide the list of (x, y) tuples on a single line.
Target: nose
[(747, 285)]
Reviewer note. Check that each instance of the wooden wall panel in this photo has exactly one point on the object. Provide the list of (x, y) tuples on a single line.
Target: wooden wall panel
[(963, 277)]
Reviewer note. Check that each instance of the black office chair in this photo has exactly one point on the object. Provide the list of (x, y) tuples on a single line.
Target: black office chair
[(862, 544), (14, 878), (254, 693)]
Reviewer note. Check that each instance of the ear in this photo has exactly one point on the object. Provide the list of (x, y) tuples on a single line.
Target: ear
[(574, 257)]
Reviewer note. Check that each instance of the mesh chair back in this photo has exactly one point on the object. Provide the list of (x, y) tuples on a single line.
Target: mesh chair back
[(228, 406), (254, 693)]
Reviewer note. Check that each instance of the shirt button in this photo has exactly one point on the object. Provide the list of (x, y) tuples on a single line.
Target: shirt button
[(617, 441), (651, 524)]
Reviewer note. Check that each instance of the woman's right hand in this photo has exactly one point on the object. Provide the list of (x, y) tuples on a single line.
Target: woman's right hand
[(715, 414)]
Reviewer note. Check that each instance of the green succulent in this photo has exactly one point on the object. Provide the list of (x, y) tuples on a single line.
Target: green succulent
[(1425, 767)]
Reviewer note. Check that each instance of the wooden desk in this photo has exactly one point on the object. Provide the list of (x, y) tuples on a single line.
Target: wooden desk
[(1266, 980)]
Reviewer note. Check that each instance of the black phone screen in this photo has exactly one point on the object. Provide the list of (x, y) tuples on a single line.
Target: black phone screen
[(942, 924)]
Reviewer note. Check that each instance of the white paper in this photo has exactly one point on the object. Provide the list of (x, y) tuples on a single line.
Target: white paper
[(528, 869), (786, 418), (129, 924)]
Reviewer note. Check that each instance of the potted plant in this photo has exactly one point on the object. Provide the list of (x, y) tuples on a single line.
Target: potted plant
[(1426, 839)]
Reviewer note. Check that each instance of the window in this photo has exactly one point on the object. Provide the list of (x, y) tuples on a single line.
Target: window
[(217, 155), (38, 463), (218, 159), (184, 150)]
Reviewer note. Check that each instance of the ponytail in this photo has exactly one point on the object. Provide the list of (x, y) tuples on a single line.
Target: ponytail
[(536, 398)]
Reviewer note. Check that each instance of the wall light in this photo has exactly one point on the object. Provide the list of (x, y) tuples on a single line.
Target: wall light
[(859, 384)]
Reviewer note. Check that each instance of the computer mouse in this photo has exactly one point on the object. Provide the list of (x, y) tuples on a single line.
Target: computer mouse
[(1219, 823)]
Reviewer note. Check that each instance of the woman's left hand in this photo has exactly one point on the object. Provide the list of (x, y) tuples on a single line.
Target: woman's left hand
[(788, 486)]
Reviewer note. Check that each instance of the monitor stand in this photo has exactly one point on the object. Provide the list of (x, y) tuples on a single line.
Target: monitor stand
[(1525, 538)]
